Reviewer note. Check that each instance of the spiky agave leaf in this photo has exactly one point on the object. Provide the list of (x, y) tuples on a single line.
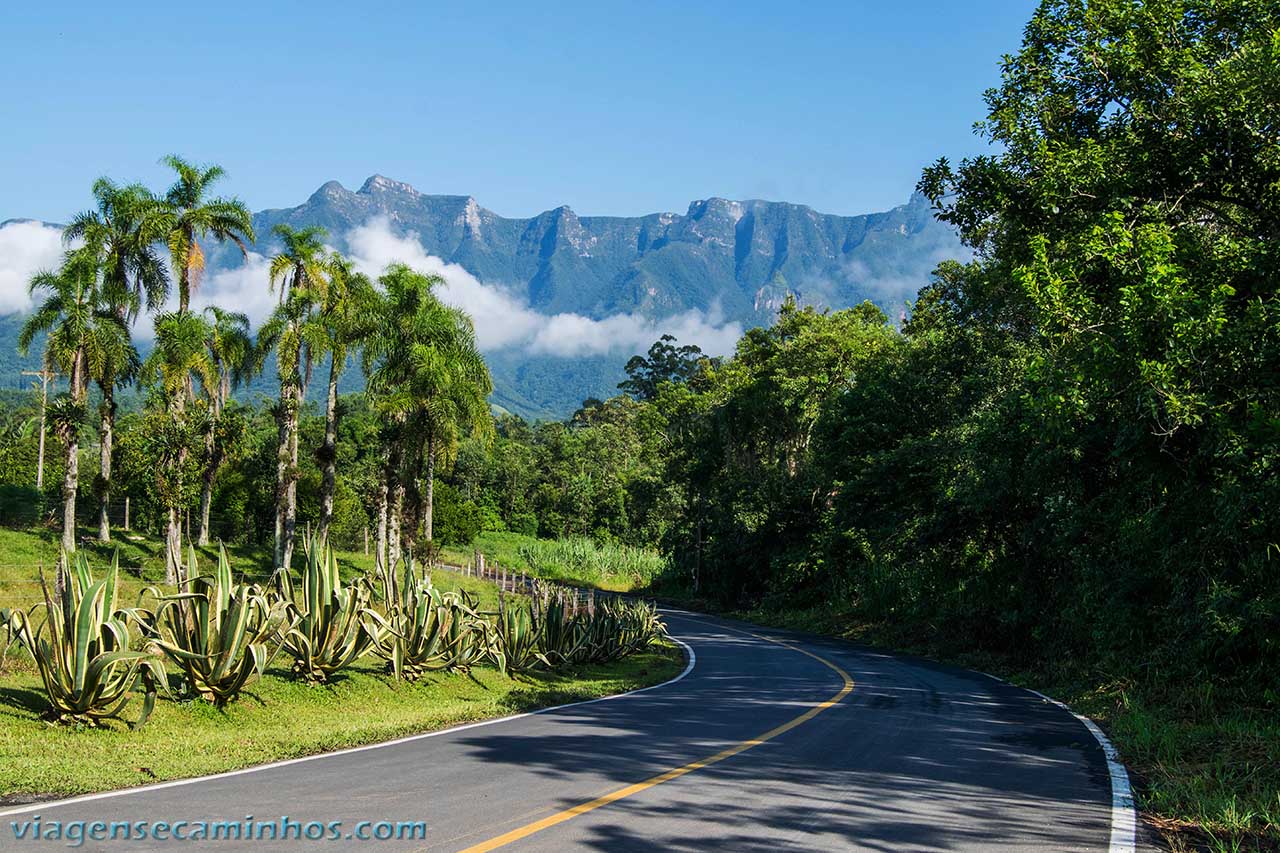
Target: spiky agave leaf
[(222, 635), (425, 629), (329, 630), (85, 662)]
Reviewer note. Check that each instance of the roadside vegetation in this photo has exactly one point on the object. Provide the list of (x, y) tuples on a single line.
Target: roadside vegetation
[(574, 560), (1061, 462), (156, 683)]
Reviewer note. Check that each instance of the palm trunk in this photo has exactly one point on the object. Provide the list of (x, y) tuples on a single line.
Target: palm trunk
[(284, 476), (206, 487), (184, 277), (291, 493), (70, 480), (427, 521), (395, 517), (173, 548), (108, 436), (395, 496), (71, 476), (380, 546), (173, 535), (329, 452), (413, 505), (213, 455)]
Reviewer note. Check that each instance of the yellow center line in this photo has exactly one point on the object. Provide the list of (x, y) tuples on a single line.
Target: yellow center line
[(622, 793)]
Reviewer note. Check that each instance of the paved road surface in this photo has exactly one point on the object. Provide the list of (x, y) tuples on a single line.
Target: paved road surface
[(912, 756)]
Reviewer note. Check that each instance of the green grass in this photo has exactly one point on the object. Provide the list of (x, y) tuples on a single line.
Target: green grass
[(578, 561), (276, 717), (1206, 768)]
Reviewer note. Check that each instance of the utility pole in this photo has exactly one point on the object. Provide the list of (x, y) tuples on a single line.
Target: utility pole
[(46, 376)]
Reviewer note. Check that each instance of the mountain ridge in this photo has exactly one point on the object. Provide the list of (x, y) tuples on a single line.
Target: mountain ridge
[(738, 258)]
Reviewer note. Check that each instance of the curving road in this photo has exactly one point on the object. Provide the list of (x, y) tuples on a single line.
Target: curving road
[(768, 742)]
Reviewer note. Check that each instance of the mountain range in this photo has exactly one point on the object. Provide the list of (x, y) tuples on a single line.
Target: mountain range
[(723, 262)]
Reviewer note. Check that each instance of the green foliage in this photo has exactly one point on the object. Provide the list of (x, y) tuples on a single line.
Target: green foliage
[(457, 521), (569, 631), (327, 632), (86, 662), (425, 629), (584, 561), (515, 646), (665, 363), (220, 634)]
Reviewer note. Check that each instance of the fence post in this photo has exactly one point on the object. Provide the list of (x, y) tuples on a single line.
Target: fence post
[(126, 512), (366, 539)]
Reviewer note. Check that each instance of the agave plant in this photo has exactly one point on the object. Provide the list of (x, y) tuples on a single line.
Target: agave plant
[(468, 637), (515, 642), (329, 630), (600, 633), (222, 635), (561, 637), (425, 629), (86, 663)]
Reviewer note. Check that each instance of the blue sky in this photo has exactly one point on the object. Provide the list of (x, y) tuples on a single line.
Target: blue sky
[(611, 108)]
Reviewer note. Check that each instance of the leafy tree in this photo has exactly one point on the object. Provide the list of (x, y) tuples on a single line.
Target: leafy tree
[(233, 357), (665, 363), (1127, 228), (119, 237), (424, 369), (349, 315), (179, 360)]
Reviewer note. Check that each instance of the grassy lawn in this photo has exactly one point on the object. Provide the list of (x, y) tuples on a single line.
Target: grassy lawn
[(276, 717), (1206, 768)]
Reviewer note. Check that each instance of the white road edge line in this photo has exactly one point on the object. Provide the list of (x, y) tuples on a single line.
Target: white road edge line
[(692, 658), (1124, 817)]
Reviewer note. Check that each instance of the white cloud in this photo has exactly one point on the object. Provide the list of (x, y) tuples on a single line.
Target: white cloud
[(244, 288), (573, 334), (894, 291), (25, 249), (502, 320)]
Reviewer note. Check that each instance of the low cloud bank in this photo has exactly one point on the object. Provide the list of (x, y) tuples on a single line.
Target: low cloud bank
[(502, 319), (26, 248)]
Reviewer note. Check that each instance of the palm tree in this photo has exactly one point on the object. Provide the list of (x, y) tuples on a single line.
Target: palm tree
[(423, 368), (455, 403), (119, 237), (121, 234), (300, 271), (349, 315), (179, 360), (192, 217), (233, 356), (82, 339)]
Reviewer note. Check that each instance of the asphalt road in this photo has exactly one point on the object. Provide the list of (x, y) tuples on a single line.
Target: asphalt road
[(760, 746)]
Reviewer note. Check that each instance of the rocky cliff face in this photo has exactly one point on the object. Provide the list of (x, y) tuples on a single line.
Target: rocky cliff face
[(743, 256), (739, 259)]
